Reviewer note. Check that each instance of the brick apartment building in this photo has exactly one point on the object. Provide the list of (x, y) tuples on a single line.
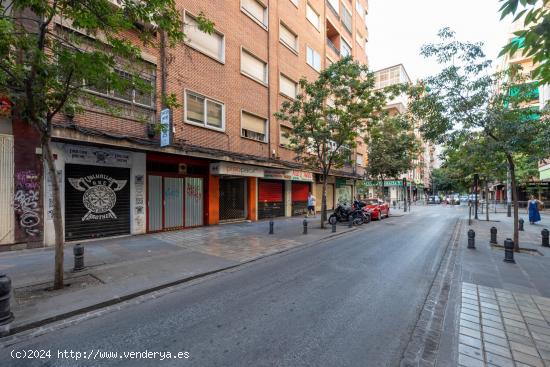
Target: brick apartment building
[(226, 159)]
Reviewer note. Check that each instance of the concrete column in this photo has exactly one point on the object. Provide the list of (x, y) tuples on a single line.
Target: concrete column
[(288, 198)]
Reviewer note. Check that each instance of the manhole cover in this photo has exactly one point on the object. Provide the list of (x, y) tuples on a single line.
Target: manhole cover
[(35, 292)]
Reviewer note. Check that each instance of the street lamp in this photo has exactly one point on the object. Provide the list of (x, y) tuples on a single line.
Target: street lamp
[(476, 184)]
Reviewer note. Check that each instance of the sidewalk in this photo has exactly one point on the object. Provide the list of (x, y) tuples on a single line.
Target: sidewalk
[(499, 313), (121, 268)]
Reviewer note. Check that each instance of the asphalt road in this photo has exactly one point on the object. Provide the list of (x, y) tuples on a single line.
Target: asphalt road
[(351, 301)]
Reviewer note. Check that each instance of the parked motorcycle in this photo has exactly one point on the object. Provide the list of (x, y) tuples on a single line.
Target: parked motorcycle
[(345, 213)]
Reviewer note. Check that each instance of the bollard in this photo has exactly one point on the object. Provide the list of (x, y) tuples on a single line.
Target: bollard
[(78, 251), (334, 227), (520, 222), (305, 226), (471, 239), (509, 251), (6, 316), (271, 224), (494, 235), (350, 225), (545, 235)]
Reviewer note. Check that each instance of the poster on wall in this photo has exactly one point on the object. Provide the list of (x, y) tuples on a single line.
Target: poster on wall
[(97, 201)]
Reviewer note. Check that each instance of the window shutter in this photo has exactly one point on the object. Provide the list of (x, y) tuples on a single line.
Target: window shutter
[(211, 44), (287, 86), (255, 9), (253, 66), (253, 123), (288, 37)]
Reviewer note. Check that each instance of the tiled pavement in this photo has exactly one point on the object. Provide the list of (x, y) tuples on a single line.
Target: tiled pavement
[(503, 328)]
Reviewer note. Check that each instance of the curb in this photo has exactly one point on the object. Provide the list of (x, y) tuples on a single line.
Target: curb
[(113, 301)]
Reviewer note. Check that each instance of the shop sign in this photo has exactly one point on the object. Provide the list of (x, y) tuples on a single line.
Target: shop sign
[(235, 169), (386, 183), (278, 174), (301, 176), (165, 127), (343, 182), (97, 156)]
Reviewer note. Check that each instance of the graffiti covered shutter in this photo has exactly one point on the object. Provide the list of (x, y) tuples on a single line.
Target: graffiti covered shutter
[(97, 201)]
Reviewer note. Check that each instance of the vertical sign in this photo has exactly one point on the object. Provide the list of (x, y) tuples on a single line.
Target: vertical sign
[(165, 127)]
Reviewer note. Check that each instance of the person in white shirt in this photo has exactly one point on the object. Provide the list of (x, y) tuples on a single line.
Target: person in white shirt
[(310, 204)]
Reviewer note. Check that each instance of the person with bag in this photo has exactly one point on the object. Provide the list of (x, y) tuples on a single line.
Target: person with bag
[(534, 208)]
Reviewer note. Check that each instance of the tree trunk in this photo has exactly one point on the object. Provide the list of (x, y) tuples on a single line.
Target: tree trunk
[(56, 215), (514, 200), (324, 202), (382, 193)]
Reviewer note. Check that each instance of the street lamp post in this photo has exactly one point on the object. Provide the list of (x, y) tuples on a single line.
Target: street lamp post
[(476, 184)]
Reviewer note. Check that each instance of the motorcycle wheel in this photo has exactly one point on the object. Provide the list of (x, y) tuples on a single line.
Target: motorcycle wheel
[(366, 218), (358, 220), (332, 219)]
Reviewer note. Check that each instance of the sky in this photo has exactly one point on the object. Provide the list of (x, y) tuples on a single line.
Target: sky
[(399, 28)]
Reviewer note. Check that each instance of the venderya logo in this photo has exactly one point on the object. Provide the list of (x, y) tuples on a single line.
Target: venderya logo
[(99, 195)]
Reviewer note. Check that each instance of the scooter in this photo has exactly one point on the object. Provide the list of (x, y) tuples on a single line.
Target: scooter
[(345, 213)]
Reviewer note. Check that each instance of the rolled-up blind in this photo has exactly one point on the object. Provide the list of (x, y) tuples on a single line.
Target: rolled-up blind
[(253, 123)]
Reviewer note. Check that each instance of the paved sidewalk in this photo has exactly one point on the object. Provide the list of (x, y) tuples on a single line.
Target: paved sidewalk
[(125, 267), (499, 314)]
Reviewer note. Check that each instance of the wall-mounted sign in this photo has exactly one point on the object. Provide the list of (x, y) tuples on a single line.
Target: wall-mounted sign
[(386, 183), (301, 176), (97, 156), (278, 174), (165, 132), (236, 169)]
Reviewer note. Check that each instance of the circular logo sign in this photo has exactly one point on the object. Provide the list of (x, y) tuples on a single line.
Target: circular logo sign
[(99, 199)]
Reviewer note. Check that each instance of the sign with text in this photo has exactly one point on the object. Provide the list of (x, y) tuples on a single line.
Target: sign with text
[(235, 169), (165, 132)]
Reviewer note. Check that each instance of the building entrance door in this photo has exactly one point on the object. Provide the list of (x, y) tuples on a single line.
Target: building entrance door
[(232, 198)]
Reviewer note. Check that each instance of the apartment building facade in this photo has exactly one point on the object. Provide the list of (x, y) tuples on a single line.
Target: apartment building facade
[(418, 178), (222, 157)]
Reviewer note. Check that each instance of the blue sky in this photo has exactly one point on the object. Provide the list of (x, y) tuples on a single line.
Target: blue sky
[(398, 28)]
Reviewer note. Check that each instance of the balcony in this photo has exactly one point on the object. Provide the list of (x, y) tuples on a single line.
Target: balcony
[(333, 47)]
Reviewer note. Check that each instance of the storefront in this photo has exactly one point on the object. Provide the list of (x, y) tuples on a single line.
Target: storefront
[(300, 191), (271, 198), (233, 198), (319, 193), (102, 192), (176, 192)]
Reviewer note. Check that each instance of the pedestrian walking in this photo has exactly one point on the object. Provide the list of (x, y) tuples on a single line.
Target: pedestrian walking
[(310, 204), (534, 208)]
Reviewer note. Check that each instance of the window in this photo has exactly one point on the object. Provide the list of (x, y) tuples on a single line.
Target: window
[(128, 92), (295, 2), (204, 111), (284, 136), (345, 48), (346, 19), (144, 97), (253, 127), (288, 38), (334, 4), (360, 39), (313, 59), (313, 17), (209, 44), (256, 10), (287, 86), (360, 8), (359, 159), (253, 67)]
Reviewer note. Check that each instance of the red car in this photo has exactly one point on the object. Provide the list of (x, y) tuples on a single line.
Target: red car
[(378, 208)]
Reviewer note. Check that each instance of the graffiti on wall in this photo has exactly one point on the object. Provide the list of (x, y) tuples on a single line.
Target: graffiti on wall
[(26, 201)]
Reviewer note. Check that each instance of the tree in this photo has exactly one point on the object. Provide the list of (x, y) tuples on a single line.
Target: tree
[(328, 116), (534, 39), (466, 99), (45, 69), (392, 148)]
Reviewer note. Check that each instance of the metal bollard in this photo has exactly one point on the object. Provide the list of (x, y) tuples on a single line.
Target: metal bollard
[(471, 239), (305, 226), (520, 222), (350, 224), (494, 235), (78, 251), (6, 316), (271, 224), (545, 235), (334, 227), (509, 251)]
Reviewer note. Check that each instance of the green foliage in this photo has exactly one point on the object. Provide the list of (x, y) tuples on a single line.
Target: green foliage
[(534, 39), (330, 113), (45, 67), (392, 148)]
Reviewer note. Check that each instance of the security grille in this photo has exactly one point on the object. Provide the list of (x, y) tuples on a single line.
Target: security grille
[(232, 198)]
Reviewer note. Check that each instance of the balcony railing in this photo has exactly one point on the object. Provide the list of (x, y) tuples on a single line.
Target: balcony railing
[(333, 47)]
